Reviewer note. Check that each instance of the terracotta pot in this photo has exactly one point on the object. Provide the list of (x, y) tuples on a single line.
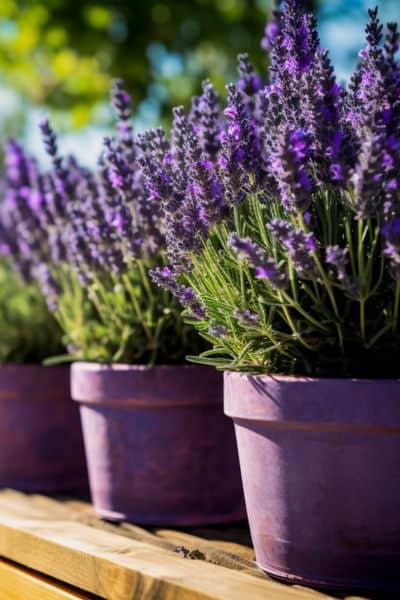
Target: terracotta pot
[(159, 448), (41, 448), (320, 463)]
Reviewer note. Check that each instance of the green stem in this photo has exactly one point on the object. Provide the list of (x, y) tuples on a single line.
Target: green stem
[(362, 319), (292, 279), (378, 335), (145, 280), (360, 260), (303, 312), (153, 357), (236, 218), (396, 305), (327, 285), (350, 245), (139, 314), (289, 321), (340, 336)]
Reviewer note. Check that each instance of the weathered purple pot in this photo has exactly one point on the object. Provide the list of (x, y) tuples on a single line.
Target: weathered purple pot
[(158, 445), (320, 463), (41, 448)]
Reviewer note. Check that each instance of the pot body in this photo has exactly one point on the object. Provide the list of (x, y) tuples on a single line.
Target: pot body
[(320, 463), (159, 448), (41, 446)]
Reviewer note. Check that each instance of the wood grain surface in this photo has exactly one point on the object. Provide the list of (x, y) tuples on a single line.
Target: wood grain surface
[(64, 540), (19, 583)]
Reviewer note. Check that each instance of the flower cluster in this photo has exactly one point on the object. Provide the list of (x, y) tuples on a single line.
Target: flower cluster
[(88, 238), (22, 235), (103, 220), (273, 217), (29, 332), (181, 175), (291, 222)]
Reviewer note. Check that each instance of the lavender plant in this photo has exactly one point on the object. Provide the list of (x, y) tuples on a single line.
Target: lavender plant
[(283, 235), (29, 332), (100, 233)]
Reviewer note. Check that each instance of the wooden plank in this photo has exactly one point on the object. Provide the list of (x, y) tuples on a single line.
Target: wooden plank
[(226, 554), (227, 546), (218, 552), (82, 512), (19, 583), (118, 568), (215, 550)]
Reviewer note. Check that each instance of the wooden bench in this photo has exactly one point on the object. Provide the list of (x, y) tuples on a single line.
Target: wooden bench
[(57, 548)]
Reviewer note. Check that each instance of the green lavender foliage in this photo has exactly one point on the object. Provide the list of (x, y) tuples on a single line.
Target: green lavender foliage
[(122, 319), (28, 332), (321, 326)]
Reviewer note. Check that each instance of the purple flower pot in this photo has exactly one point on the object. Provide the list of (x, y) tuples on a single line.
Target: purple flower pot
[(41, 448), (159, 448), (320, 463)]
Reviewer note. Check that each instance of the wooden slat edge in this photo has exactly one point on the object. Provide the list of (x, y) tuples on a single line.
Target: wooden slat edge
[(114, 567), (20, 583)]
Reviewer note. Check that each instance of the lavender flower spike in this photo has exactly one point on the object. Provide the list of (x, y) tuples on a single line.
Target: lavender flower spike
[(264, 266), (299, 245), (121, 102)]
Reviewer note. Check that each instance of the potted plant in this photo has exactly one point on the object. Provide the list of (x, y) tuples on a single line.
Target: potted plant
[(41, 447), (159, 448), (292, 250)]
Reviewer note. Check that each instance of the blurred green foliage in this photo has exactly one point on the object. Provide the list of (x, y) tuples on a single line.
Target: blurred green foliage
[(28, 331), (63, 52)]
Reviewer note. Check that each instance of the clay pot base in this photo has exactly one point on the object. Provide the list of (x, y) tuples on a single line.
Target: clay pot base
[(350, 586)]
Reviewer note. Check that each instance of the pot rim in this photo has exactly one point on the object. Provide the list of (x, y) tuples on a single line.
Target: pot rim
[(310, 379), (93, 366), (32, 366), (30, 382), (143, 386), (368, 405)]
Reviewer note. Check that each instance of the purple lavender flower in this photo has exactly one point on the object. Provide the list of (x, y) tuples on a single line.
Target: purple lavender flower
[(290, 170), (166, 278), (294, 46), (263, 265), (249, 82), (218, 331), (271, 32), (247, 248), (337, 258), (373, 91), (188, 298), (97, 222), (391, 235), (23, 228), (240, 160), (48, 136), (206, 119), (299, 244), (183, 180), (246, 317), (121, 102), (367, 178), (49, 286), (303, 95)]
